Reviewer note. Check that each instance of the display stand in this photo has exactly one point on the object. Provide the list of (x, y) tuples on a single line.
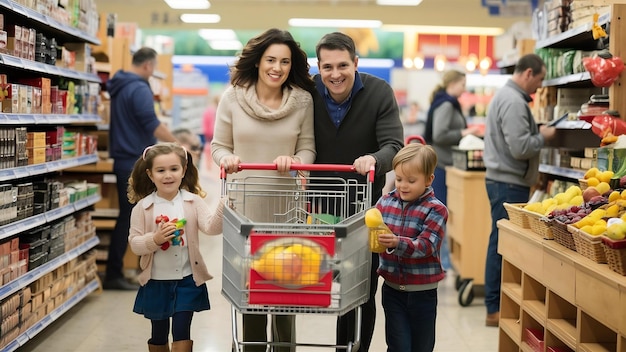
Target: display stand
[(576, 303), (468, 229)]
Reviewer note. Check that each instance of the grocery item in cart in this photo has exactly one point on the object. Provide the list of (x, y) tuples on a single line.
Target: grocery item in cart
[(297, 262), (376, 225)]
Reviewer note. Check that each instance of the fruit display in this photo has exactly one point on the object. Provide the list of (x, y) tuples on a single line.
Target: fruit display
[(573, 196), (598, 210), (295, 263), (376, 225)]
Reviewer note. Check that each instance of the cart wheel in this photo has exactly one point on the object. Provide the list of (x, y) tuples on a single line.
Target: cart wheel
[(466, 293), (458, 282)]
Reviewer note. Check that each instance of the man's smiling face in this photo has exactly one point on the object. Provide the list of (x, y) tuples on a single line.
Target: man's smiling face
[(337, 71)]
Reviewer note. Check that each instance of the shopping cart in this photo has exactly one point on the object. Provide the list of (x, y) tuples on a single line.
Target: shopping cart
[(306, 253)]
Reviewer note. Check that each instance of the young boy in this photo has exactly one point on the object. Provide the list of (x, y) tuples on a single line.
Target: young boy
[(410, 264)]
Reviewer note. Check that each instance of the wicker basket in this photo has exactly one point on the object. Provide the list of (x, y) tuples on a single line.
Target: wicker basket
[(539, 224), (583, 184), (517, 215), (588, 245), (615, 254), (562, 236)]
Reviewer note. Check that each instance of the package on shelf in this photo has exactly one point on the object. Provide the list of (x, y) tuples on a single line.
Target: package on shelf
[(3, 34), (8, 203), (608, 158)]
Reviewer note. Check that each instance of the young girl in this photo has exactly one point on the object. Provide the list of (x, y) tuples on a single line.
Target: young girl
[(164, 230), (411, 264)]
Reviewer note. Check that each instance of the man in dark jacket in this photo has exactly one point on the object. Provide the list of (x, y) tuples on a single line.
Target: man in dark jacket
[(357, 122), (133, 127)]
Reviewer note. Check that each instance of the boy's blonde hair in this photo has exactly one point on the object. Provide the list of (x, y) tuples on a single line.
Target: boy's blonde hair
[(417, 157)]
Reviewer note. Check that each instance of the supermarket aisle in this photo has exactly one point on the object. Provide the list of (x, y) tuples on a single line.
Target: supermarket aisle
[(105, 322)]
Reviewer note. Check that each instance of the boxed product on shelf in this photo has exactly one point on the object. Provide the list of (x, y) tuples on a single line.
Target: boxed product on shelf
[(468, 159), (10, 100)]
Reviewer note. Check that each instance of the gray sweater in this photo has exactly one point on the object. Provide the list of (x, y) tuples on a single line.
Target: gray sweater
[(447, 126), (512, 138)]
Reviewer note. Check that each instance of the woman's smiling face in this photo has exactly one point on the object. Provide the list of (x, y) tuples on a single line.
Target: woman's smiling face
[(274, 66)]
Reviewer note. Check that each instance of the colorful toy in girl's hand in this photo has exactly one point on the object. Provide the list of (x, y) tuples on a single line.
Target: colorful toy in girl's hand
[(178, 233)]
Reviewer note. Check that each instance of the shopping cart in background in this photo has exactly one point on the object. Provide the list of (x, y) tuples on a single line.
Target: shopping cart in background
[(308, 254)]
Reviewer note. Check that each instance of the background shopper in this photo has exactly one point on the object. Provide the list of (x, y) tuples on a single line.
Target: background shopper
[(134, 126), (512, 145), (445, 126)]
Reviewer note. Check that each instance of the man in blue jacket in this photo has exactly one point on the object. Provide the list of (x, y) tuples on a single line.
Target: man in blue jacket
[(357, 122), (133, 127)]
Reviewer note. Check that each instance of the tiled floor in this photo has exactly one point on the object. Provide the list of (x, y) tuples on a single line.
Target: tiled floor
[(105, 321)]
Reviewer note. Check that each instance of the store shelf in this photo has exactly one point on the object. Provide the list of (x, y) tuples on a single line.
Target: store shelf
[(583, 79), (564, 330), (25, 64), (32, 275), (53, 316), (561, 171), (573, 38), (47, 119), (20, 226), (52, 24), (44, 168)]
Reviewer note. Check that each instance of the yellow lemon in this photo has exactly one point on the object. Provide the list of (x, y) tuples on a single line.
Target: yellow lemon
[(575, 190), (623, 194), (612, 211), (615, 195), (586, 228), (592, 182), (603, 187), (373, 217), (605, 176), (591, 172), (578, 200)]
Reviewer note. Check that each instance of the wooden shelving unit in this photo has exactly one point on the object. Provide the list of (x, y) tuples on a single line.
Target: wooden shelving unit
[(578, 304), (468, 228)]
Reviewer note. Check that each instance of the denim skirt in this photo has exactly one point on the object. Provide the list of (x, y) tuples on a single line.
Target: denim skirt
[(160, 299)]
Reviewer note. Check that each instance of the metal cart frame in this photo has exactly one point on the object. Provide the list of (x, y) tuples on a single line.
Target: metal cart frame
[(297, 216)]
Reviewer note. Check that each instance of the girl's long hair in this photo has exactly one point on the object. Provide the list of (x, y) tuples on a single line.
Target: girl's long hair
[(140, 185)]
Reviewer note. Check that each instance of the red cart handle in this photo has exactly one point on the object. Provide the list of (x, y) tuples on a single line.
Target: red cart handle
[(413, 138), (300, 167)]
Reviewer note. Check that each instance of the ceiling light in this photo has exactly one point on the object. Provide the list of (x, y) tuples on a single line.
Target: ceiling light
[(225, 45), (200, 18), (189, 4), (334, 23), (217, 34), (450, 30), (398, 2)]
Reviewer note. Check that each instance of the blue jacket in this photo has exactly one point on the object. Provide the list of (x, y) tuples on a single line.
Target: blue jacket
[(133, 120), (421, 226)]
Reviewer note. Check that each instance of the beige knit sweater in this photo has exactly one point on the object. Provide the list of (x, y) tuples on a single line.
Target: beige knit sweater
[(258, 134)]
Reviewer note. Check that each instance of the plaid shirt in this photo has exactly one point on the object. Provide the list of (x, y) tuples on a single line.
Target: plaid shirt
[(421, 226)]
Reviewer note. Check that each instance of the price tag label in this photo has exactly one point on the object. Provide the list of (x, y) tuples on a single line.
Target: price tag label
[(27, 119), (40, 119), (6, 174), (37, 169), (12, 61), (54, 214), (19, 8), (37, 16), (20, 172), (13, 118)]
